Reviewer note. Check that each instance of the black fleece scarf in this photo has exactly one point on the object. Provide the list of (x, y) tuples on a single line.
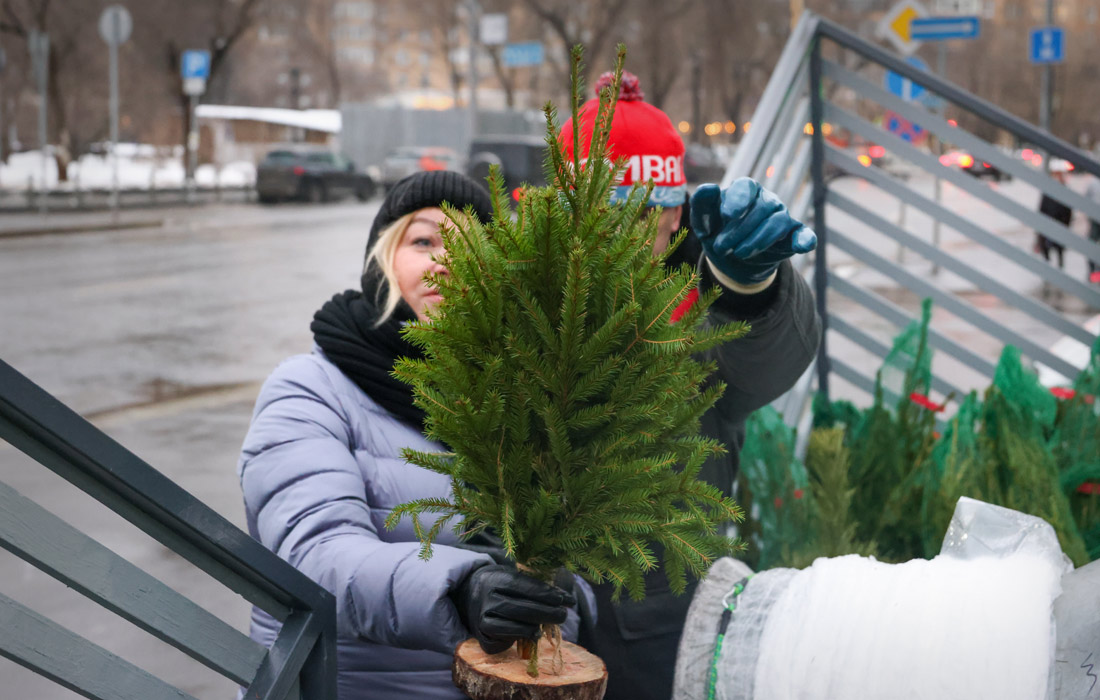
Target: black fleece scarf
[(344, 328)]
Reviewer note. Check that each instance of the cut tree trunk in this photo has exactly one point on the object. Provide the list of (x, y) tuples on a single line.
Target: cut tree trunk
[(503, 676)]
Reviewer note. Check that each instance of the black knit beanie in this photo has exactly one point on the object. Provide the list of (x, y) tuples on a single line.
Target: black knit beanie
[(428, 188)]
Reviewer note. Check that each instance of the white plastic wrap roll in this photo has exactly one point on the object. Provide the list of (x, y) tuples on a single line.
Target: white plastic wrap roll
[(975, 622), (852, 627)]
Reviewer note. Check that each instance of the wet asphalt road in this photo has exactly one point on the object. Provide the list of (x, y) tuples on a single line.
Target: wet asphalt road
[(160, 336)]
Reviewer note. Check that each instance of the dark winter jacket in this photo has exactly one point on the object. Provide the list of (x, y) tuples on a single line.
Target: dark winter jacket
[(1055, 209), (1060, 213), (639, 640)]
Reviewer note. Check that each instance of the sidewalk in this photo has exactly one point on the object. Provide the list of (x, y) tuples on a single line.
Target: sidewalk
[(22, 225)]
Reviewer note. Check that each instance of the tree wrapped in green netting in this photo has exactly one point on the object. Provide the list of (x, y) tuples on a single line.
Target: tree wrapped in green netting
[(1018, 418), (891, 444), (1076, 446), (776, 485), (952, 472), (890, 485), (568, 399)]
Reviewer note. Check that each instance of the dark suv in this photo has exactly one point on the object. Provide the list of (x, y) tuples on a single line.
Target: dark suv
[(310, 175), (520, 159)]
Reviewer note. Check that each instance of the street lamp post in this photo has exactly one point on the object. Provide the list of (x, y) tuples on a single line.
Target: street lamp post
[(475, 19), (1046, 86)]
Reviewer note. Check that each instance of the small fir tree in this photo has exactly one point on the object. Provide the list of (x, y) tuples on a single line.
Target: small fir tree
[(568, 398), (883, 482)]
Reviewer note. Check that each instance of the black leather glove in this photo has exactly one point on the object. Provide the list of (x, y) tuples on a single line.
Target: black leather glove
[(500, 605), (486, 542)]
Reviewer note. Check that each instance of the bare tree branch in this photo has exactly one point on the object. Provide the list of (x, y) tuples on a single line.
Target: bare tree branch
[(13, 25)]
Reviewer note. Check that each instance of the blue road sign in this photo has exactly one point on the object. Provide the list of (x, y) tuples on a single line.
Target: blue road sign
[(904, 87), (1048, 45), (529, 53), (195, 64), (907, 130), (940, 28)]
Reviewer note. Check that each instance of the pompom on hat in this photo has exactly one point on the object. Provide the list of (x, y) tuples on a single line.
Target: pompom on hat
[(641, 134)]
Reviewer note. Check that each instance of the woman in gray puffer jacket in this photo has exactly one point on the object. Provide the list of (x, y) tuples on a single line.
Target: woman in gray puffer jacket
[(321, 468)]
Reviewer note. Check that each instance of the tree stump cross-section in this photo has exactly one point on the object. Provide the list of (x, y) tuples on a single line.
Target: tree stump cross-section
[(504, 676)]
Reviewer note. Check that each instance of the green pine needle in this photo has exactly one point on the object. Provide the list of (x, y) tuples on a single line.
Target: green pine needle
[(569, 400)]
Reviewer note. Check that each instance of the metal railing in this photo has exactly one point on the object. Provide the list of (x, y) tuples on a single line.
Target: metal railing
[(787, 150), (300, 663), (30, 199)]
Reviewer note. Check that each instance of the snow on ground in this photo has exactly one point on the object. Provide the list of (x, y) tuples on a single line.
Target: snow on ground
[(140, 166)]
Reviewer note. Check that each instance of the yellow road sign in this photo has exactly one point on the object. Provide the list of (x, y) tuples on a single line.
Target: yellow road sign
[(895, 25)]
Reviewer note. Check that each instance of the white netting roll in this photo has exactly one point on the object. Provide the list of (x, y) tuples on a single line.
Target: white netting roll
[(696, 652), (741, 650), (852, 627), (975, 622)]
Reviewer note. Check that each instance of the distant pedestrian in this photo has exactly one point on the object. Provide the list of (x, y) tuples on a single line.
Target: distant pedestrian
[(1094, 229), (1060, 213)]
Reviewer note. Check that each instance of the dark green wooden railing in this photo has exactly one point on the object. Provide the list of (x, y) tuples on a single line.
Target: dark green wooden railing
[(300, 663)]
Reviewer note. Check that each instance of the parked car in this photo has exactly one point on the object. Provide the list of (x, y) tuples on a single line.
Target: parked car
[(703, 164), (872, 154), (974, 166), (310, 175), (406, 160), (520, 159)]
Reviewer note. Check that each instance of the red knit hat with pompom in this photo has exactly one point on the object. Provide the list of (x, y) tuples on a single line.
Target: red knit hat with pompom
[(640, 133)]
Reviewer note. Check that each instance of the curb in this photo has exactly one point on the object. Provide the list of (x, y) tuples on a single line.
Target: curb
[(80, 228)]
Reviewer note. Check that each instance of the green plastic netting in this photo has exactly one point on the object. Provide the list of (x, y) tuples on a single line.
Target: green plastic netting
[(884, 482)]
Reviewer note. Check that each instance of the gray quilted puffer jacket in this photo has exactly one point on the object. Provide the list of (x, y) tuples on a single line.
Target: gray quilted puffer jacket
[(320, 469)]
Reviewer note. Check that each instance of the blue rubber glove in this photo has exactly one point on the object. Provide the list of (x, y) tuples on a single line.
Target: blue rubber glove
[(746, 231)]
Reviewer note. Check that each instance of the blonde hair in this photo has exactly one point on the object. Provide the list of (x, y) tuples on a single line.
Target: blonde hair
[(382, 254)]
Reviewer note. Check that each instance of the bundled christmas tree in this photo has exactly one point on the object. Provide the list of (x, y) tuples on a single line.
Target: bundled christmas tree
[(569, 399), (882, 481)]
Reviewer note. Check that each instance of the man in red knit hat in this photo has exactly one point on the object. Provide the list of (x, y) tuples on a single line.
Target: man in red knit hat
[(743, 239)]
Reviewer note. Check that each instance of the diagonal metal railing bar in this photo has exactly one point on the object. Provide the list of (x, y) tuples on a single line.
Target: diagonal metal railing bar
[(774, 96), (50, 650), (802, 204), (778, 163), (49, 543), (951, 303), (46, 430), (977, 147), (798, 172), (881, 349), (799, 178), (64, 463), (286, 658), (1003, 292), (37, 423), (971, 230), (1044, 224), (859, 379), (901, 319), (818, 190), (953, 93), (791, 121)]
